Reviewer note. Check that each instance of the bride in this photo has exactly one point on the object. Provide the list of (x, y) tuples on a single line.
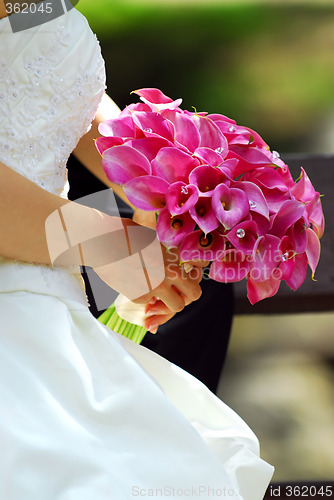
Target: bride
[(86, 413)]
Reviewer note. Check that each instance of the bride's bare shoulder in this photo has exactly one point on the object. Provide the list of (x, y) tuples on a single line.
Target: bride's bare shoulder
[(3, 12)]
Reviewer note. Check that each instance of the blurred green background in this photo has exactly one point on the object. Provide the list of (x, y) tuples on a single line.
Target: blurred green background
[(270, 66)]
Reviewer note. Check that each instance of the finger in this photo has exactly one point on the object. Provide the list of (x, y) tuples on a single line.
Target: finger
[(158, 307), (199, 263), (172, 297), (154, 322), (187, 288)]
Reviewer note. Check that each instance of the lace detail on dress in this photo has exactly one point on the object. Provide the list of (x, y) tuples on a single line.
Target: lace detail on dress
[(45, 106)]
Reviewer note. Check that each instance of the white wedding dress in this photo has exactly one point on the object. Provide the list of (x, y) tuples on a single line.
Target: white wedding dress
[(86, 414)]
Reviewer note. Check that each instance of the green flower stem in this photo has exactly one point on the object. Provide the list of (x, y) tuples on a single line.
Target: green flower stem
[(111, 319)]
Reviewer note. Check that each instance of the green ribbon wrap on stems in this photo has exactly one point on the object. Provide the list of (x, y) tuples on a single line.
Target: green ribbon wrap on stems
[(125, 324)]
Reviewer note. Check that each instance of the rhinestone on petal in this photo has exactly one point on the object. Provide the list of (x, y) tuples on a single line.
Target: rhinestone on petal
[(275, 155), (184, 190), (285, 256), (219, 150), (149, 130), (252, 204), (231, 128), (241, 233)]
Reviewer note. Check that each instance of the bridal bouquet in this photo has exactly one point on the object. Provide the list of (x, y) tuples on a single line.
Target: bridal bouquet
[(218, 191)]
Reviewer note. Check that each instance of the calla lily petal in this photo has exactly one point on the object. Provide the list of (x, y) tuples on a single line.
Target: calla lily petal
[(298, 235), (230, 205), (181, 197), (138, 106), (207, 178), (259, 290), (288, 214), (266, 258), (267, 177), (122, 163), (316, 215), (211, 136), (118, 127), (153, 125), (208, 156), (256, 199), (200, 246), (173, 165), (147, 192), (148, 146), (231, 266), (103, 143), (186, 132), (263, 224), (312, 249), (204, 215), (172, 230), (156, 99), (303, 189), (298, 275), (243, 236)]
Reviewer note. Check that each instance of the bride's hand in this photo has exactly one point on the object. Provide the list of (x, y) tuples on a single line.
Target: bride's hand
[(145, 218), (179, 287), (156, 311)]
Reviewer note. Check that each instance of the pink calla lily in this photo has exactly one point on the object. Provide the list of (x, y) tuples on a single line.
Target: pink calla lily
[(298, 236), (138, 106), (288, 214), (207, 178), (231, 266), (256, 199), (266, 257), (180, 197), (103, 143), (286, 267), (298, 275), (147, 192), (156, 99), (303, 189), (211, 136), (208, 156), (243, 236), (148, 146), (220, 193), (122, 163), (263, 224), (186, 132), (199, 246), (153, 125), (173, 165), (259, 290), (204, 215), (316, 215), (216, 117), (172, 230), (312, 250), (268, 178), (229, 205), (122, 126)]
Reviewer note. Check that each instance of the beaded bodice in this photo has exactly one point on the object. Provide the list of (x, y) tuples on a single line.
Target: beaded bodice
[(52, 78)]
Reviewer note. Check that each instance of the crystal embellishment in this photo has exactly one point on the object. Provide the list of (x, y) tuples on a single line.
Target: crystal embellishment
[(241, 233)]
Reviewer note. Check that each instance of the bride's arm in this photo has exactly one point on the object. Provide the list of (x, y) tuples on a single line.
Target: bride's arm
[(86, 151), (24, 210)]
